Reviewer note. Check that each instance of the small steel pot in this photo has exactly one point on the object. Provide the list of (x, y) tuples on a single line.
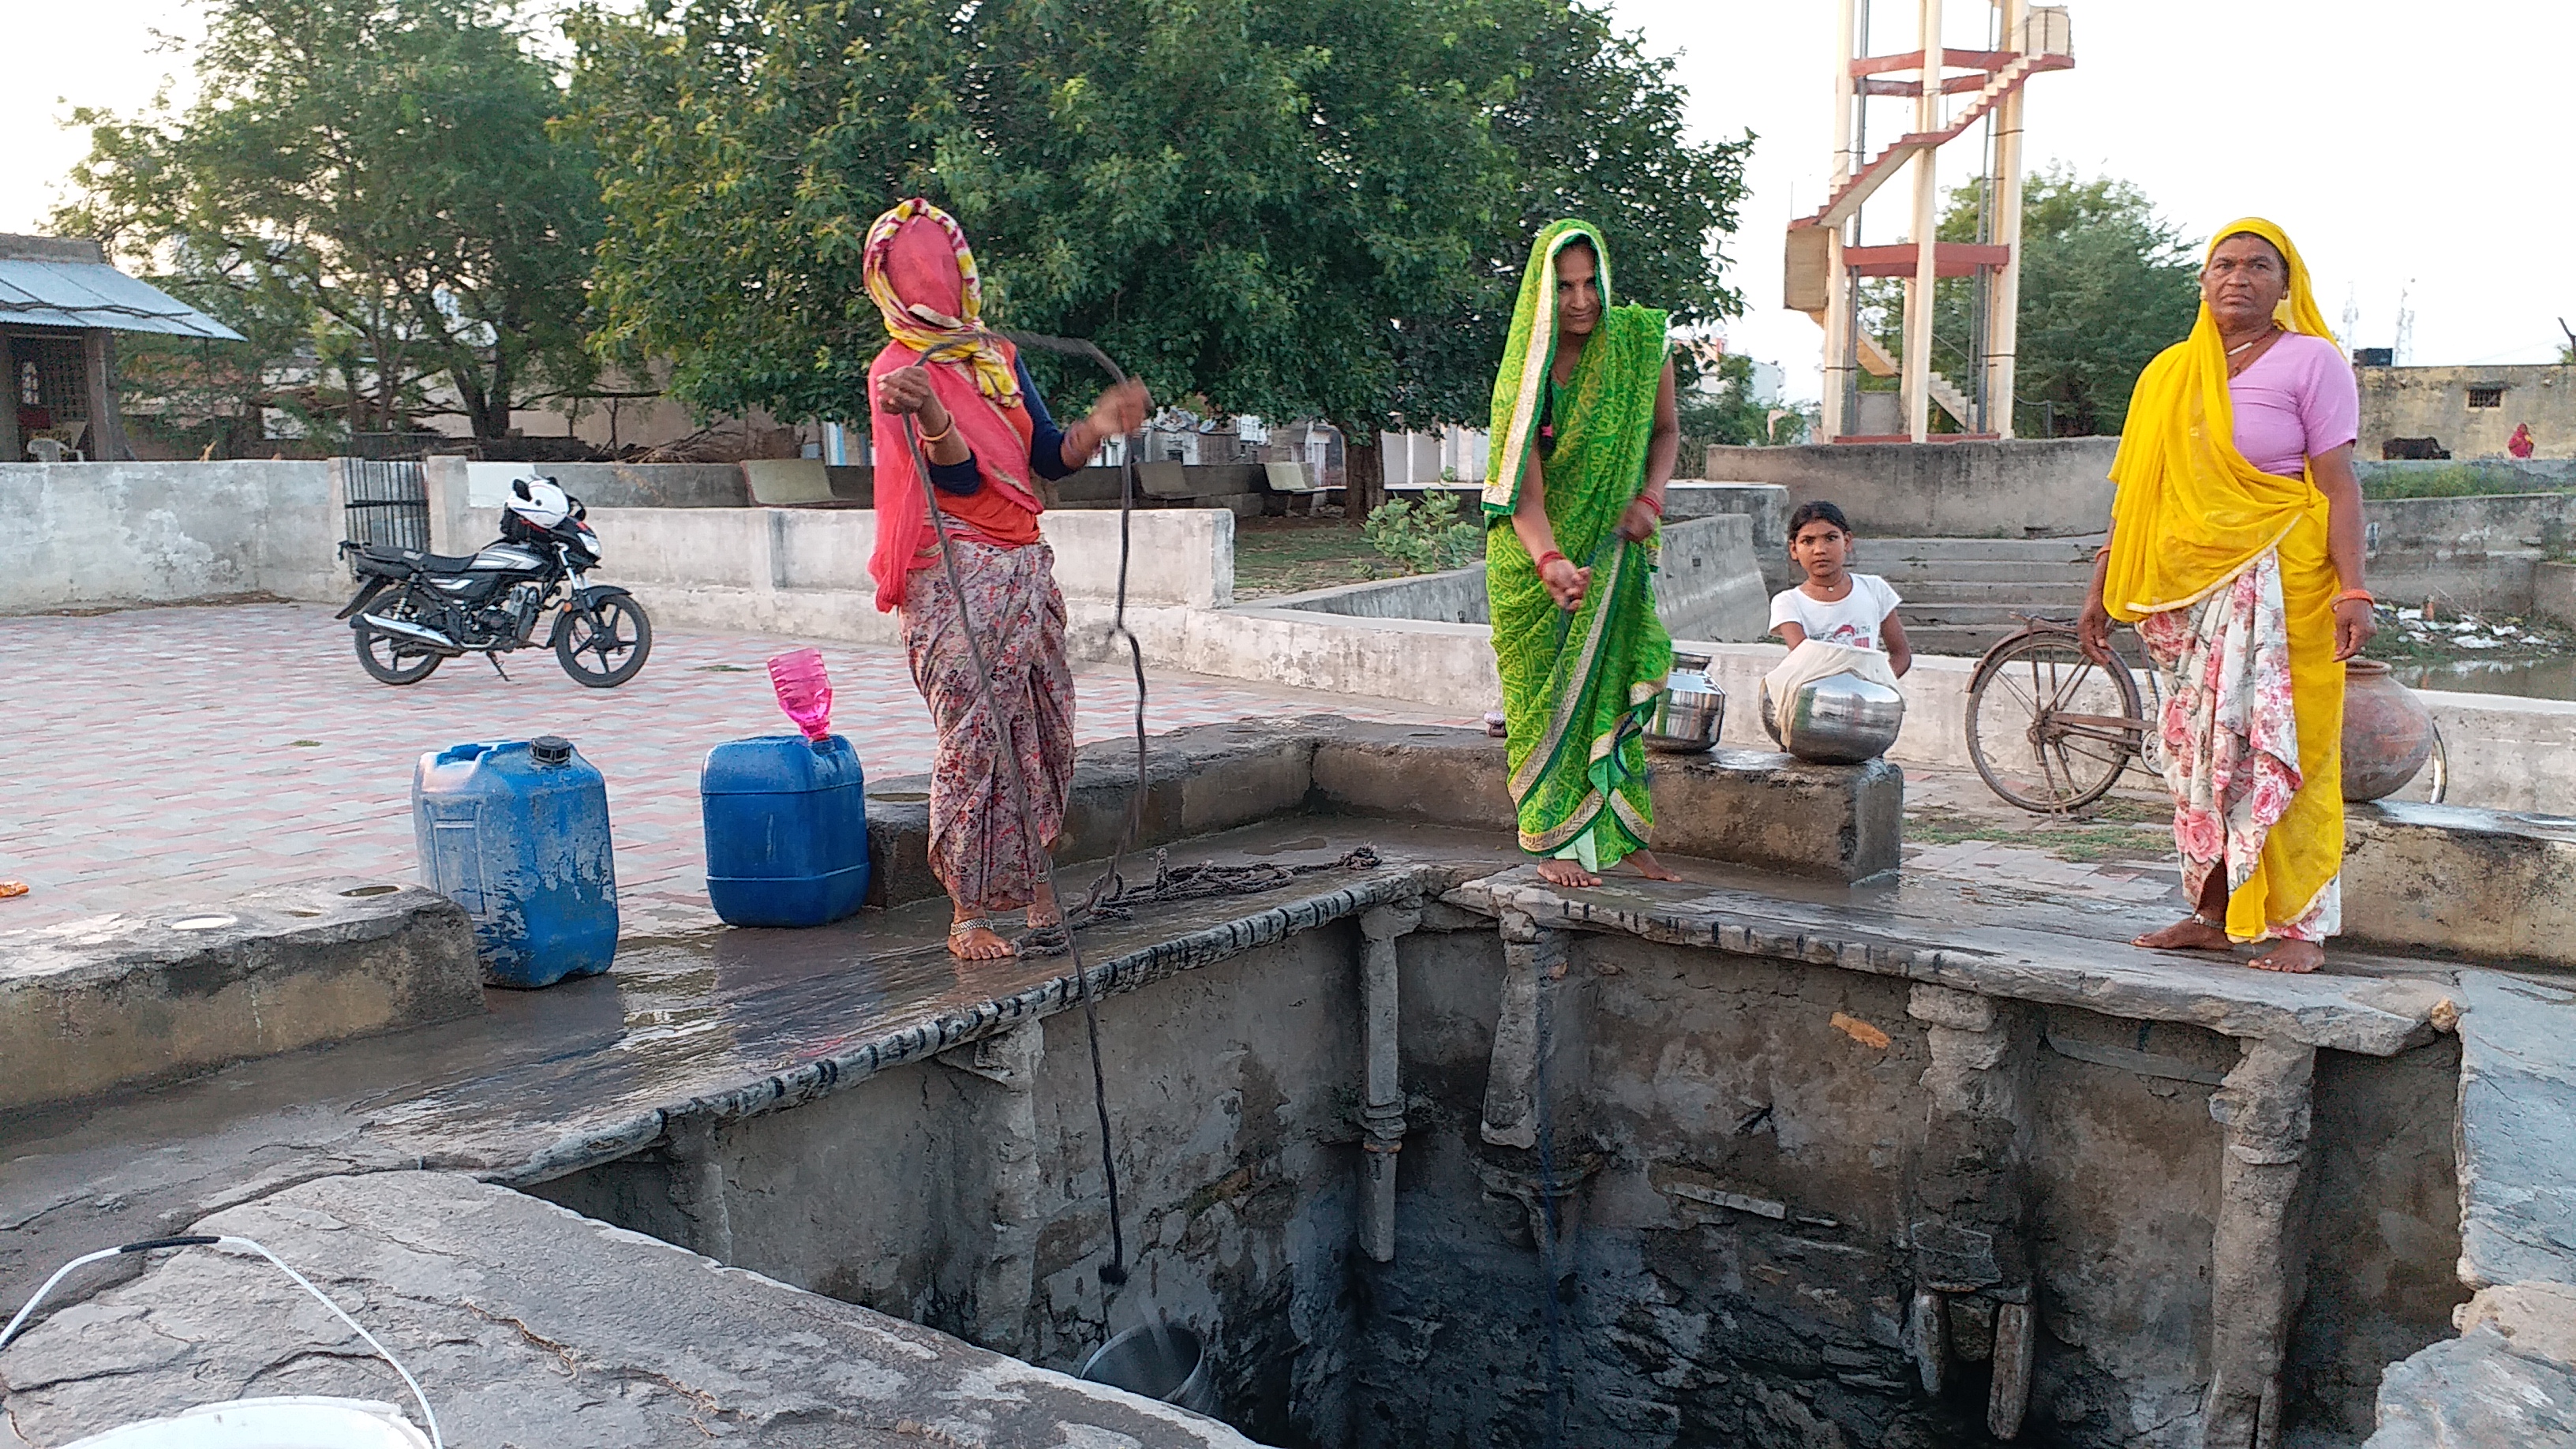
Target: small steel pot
[(1160, 1360), (1840, 719), (1690, 711)]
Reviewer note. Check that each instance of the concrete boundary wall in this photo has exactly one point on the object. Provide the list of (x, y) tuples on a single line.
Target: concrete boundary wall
[(76, 535), (1707, 585), (2036, 487), (805, 571)]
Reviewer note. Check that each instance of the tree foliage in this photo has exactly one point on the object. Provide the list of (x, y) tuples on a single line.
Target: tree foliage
[(371, 177), (1722, 411), (1289, 207), (2105, 285)]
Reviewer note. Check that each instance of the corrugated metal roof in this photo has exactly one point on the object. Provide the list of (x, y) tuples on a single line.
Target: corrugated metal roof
[(93, 294)]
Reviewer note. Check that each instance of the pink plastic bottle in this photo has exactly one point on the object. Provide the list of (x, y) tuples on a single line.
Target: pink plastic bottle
[(804, 691)]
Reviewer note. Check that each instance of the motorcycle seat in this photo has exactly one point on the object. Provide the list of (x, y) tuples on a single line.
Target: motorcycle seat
[(412, 557)]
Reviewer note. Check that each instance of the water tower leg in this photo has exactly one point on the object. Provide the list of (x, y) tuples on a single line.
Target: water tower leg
[(2003, 318), (1917, 363)]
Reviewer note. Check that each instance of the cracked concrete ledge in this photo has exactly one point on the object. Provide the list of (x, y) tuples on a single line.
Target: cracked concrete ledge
[(528, 1324), (2374, 1016), (125, 1000), (919, 1041)]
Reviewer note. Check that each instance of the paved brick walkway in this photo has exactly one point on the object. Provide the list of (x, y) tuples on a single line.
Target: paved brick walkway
[(162, 757)]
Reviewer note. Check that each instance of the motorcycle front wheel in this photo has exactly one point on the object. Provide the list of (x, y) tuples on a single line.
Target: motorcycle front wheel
[(392, 660), (607, 647)]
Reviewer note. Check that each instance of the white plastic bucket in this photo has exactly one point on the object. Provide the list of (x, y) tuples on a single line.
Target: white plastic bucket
[(302, 1422)]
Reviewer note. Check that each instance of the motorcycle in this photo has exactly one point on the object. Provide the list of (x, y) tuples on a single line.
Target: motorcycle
[(415, 610)]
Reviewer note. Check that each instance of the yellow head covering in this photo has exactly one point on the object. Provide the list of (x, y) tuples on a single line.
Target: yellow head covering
[(920, 272), (2191, 512)]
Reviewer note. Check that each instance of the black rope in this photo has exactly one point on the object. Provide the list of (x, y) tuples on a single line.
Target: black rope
[(1110, 898), (1115, 1272), (1550, 1313)]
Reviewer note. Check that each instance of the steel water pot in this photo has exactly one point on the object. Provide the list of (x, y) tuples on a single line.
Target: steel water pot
[(1839, 719), (1690, 711)]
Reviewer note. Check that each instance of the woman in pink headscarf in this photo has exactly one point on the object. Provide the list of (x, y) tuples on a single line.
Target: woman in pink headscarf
[(986, 434)]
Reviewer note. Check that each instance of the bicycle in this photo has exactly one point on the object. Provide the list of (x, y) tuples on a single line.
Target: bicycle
[(2062, 728)]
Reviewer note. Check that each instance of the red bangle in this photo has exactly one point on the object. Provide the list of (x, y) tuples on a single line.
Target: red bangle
[(2365, 595), (1652, 502), (1543, 558)]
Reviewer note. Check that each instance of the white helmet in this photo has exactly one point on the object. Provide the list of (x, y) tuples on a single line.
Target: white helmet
[(541, 501)]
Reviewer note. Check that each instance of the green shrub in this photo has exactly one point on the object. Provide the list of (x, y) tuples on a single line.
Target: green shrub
[(2459, 480), (1426, 535)]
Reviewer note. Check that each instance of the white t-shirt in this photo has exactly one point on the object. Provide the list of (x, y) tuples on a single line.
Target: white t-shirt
[(1853, 619)]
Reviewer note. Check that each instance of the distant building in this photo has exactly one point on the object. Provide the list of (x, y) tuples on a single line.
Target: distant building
[(61, 306), (2468, 412)]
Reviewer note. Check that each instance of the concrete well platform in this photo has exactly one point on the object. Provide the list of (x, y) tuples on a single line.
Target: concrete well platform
[(128, 1000), (1782, 1108)]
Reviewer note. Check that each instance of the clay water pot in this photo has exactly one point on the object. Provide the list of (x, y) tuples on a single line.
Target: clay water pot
[(2387, 731)]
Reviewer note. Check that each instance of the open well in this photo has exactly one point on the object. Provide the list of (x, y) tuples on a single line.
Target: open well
[(1795, 1152)]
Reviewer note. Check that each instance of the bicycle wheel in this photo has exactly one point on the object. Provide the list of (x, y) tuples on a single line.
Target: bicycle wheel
[(2048, 729)]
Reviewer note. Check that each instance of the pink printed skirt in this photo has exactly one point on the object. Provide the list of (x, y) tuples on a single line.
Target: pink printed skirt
[(980, 848), (2230, 737)]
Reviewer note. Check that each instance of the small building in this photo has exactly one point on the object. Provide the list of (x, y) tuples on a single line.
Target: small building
[(2469, 412), (61, 306)]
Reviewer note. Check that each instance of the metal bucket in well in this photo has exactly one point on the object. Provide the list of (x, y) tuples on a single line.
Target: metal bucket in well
[(1690, 711), (1159, 1360)]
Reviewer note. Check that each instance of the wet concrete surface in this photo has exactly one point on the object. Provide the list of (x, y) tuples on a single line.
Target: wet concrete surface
[(737, 1022)]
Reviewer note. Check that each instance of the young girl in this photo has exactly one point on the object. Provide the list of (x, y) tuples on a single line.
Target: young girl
[(1834, 604)]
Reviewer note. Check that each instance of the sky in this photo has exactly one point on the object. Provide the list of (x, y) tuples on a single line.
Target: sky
[(2406, 148)]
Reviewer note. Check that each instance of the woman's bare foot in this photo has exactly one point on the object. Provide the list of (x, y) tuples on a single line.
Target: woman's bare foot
[(1560, 872), (972, 938), (1649, 867), (2295, 957), (1043, 914), (2191, 934)]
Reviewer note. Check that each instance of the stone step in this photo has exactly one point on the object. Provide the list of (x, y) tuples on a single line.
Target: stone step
[(2017, 550), (2058, 595), (1963, 641), (1929, 613), (1874, 559)]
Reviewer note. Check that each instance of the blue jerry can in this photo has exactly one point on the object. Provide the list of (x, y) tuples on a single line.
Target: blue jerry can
[(787, 830), (517, 834)]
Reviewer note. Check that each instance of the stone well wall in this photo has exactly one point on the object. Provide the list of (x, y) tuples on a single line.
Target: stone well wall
[(1740, 1144)]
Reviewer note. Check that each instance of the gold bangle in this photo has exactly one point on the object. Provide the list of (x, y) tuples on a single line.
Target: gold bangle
[(942, 435)]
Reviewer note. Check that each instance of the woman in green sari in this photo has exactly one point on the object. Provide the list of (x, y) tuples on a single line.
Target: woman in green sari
[(1584, 436)]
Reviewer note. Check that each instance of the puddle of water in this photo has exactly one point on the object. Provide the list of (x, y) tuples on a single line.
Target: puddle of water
[(2527, 678)]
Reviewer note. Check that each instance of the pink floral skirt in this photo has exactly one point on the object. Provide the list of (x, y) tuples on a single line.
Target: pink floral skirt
[(2230, 736), (979, 846)]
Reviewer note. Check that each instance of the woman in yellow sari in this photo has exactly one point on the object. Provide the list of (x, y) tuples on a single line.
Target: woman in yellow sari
[(2236, 549)]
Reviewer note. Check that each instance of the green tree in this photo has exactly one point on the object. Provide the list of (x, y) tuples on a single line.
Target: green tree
[(374, 178), (2105, 285), (1722, 410), (1291, 209)]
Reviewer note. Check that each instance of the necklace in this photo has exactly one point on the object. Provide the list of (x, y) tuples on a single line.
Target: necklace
[(2241, 346)]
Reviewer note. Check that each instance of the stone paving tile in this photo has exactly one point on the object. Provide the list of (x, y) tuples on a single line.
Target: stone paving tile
[(166, 756)]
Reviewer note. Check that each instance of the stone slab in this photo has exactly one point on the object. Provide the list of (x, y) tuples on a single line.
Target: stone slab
[(2373, 1016), (1744, 807), (2517, 1130), (528, 1324), (2482, 884), (2476, 1392), (128, 999)]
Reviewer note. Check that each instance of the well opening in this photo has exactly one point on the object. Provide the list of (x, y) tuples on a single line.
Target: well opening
[(1751, 1177)]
